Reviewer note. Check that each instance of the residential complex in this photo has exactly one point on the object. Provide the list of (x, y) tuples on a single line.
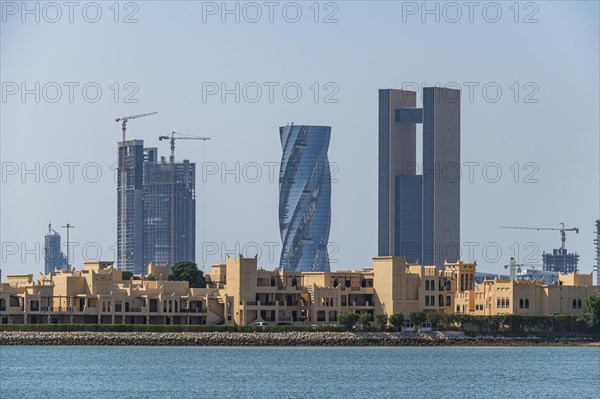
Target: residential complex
[(419, 203), (239, 292), (304, 198), (144, 208)]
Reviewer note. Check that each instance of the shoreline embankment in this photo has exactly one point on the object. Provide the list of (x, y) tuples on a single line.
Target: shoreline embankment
[(327, 339)]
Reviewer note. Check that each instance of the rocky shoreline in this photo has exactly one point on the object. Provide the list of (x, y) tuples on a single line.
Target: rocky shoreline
[(277, 339)]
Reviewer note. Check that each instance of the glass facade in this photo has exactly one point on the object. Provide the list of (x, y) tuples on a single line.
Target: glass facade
[(419, 214), (304, 198), (408, 223)]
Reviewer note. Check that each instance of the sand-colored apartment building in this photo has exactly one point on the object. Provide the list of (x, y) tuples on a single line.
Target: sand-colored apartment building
[(240, 292)]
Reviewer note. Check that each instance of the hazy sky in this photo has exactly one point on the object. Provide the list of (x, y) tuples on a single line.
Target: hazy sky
[(529, 76)]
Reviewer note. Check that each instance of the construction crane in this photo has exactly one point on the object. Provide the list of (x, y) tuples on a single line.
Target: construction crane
[(123, 120), (175, 136), (563, 230)]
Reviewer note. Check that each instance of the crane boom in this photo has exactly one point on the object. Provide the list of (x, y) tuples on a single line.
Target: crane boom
[(563, 230)]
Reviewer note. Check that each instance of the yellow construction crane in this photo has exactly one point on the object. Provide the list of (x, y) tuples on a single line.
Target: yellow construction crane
[(563, 230), (175, 136), (123, 120)]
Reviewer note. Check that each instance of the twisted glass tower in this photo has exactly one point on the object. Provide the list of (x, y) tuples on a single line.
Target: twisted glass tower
[(304, 198)]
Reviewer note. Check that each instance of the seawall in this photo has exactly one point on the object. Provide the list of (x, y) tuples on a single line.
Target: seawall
[(277, 339)]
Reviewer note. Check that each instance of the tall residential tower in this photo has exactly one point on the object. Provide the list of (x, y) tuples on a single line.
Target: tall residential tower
[(419, 204)]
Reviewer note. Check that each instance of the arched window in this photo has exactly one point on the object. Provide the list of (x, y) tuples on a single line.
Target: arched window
[(574, 303), (103, 306), (432, 285), (336, 283), (508, 303), (498, 303), (448, 285), (521, 303), (579, 304), (441, 300), (426, 285), (503, 303), (526, 303)]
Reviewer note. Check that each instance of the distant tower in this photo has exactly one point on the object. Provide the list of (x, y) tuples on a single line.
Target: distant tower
[(304, 198), (597, 241), (53, 255)]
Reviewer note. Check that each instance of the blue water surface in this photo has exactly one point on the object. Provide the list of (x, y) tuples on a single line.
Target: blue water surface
[(65, 372)]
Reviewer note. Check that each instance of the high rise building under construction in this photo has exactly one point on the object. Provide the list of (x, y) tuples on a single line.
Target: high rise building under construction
[(144, 222)]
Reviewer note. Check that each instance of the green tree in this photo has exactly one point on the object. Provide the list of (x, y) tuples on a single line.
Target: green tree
[(365, 320), (397, 320), (348, 320), (417, 317), (188, 271), (434, 318), (126, 275), (591, 316), (381, 321)]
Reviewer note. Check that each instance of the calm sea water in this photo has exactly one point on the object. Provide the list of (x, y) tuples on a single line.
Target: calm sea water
[(211, 372)]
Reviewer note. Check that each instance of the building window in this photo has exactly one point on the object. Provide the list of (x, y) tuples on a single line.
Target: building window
[(457, 308), (498, 303), (441, 285), (508, 303), (526, 303), (448, 285), (448, 301), (441, 300), (521, 303), (432, 285), (427, 300), (426, 285), (579, 304), (503, 303), (433, 300), (574, 303)]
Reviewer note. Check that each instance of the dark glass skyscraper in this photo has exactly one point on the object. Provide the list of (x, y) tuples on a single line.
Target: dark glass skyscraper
[(144, 209), (54, 258), (130, 203), (419, 205), (304, 198), (157, 210)]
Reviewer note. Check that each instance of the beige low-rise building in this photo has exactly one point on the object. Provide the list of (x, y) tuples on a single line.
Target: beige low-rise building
[(240, 292)]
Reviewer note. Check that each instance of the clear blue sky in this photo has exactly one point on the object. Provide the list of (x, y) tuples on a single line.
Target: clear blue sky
[(546, 118)]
